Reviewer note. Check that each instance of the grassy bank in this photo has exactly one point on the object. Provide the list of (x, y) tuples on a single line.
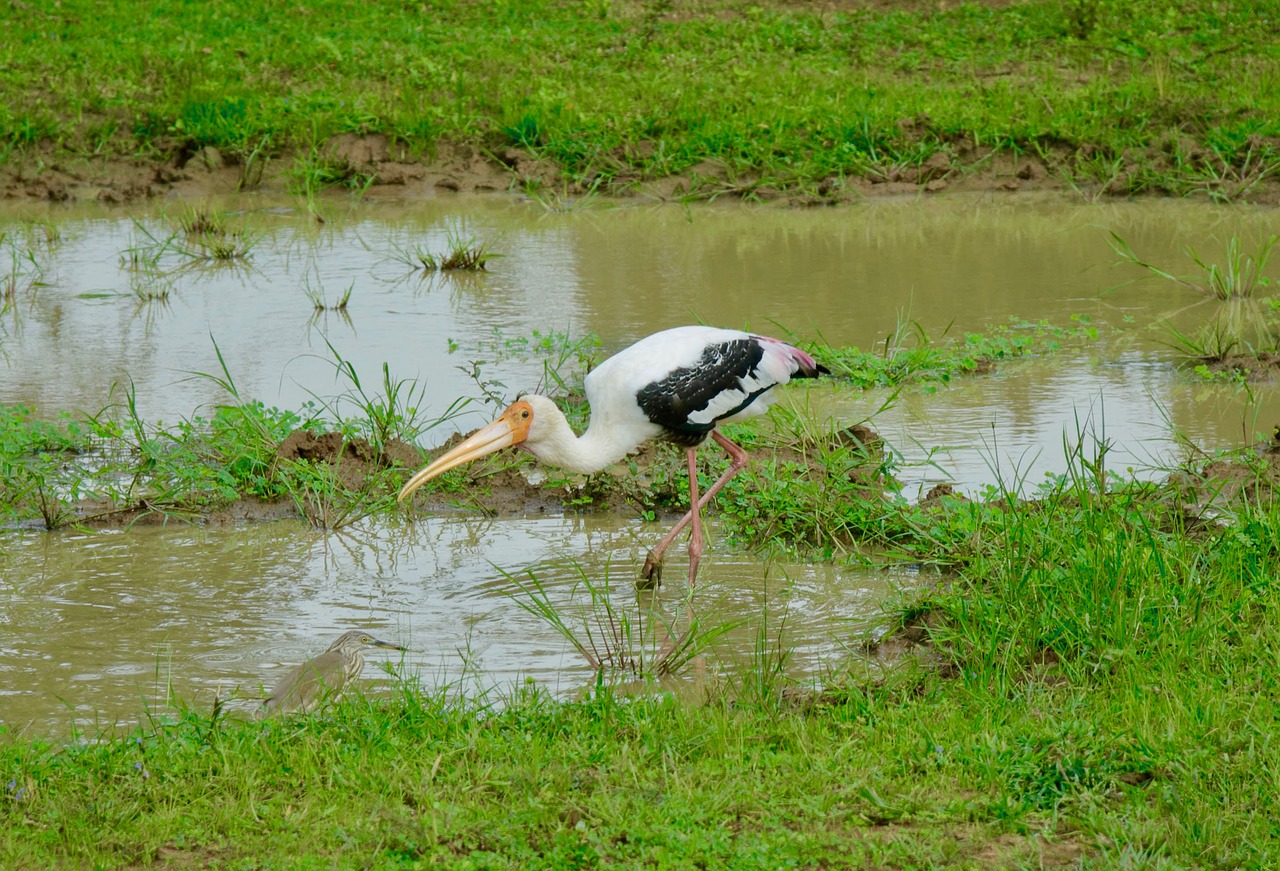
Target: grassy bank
[(335, 467), (733, 97), (1092, 687)]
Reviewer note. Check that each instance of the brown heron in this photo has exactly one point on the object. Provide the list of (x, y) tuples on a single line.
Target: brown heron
[(324, 677)]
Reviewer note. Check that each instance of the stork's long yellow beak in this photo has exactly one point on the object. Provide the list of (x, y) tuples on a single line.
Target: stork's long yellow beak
[(511, 428)]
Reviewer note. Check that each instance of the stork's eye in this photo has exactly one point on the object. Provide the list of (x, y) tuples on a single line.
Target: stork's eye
[(525, 414)]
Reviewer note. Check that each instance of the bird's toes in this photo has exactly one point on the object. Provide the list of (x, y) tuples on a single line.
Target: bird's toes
[(651, 573)]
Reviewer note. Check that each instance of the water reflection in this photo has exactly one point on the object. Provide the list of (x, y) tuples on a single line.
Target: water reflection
[(848, 275), (103, 624), (100, 623)]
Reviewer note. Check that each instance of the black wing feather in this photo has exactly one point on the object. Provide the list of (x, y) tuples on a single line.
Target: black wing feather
[(683, 392)]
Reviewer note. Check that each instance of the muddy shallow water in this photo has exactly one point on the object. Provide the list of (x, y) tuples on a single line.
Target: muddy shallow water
[(99, 625), (94, 624)]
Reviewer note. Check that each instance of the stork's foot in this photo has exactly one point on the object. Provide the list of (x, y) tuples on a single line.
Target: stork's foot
[(651, 574)]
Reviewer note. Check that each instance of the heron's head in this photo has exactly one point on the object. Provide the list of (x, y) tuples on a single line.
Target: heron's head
[(358, 639)]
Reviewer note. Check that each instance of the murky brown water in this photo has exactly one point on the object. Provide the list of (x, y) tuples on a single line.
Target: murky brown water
[(93, 624), (98, 627)]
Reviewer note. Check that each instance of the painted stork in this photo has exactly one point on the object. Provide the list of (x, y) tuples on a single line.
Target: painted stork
[(678, 384)]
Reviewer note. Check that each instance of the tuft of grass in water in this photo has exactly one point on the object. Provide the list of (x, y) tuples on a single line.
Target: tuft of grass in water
[(149, 284), (1239, 325), (1241, 276), (319, 299), (327, 500), (200, 238), (616, 641), (460, 253), (24, 275), (203, 220)]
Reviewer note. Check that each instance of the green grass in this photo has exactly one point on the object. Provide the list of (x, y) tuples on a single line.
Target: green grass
[(1095, 688), (1239, 334), (739, 98), (1089, 683), (187, 468), (458, 254)]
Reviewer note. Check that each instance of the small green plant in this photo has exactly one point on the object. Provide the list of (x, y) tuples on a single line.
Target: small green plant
[(319, 168), (1241, 276), (460, 254), (319, 299), (149, 284), (324, 496), (254, 165), (615, 641), (204, 220), (24, 275), (397, 411)]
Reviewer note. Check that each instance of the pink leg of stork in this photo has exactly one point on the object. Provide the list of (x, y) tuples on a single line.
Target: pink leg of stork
[(652, 570), (695, 536)]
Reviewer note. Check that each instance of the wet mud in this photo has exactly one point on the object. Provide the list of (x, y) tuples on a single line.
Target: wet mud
[(181, 170)]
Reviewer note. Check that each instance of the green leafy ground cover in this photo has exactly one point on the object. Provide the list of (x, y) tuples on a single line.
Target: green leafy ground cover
[(740, 97)]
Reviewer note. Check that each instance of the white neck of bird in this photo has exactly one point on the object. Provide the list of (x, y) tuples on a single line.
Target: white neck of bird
[(597, 448)]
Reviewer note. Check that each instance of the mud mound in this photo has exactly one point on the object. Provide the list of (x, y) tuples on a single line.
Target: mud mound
[(354, 459)]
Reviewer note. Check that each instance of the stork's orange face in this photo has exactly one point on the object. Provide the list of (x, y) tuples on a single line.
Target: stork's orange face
[(511, 428)]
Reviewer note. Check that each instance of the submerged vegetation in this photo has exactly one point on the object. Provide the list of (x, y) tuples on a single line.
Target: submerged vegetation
[(820, 101)]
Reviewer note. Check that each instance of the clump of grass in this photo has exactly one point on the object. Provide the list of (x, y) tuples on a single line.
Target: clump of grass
[(149, 284), (201, 237), (1241, 276), (644, 643), (1239, 325), (212, 236), (319, 168), (203, 221), (616, 641), (326, 497), (460, 254), (44, 232), (222, 248), (25, 273), (319, 298)]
